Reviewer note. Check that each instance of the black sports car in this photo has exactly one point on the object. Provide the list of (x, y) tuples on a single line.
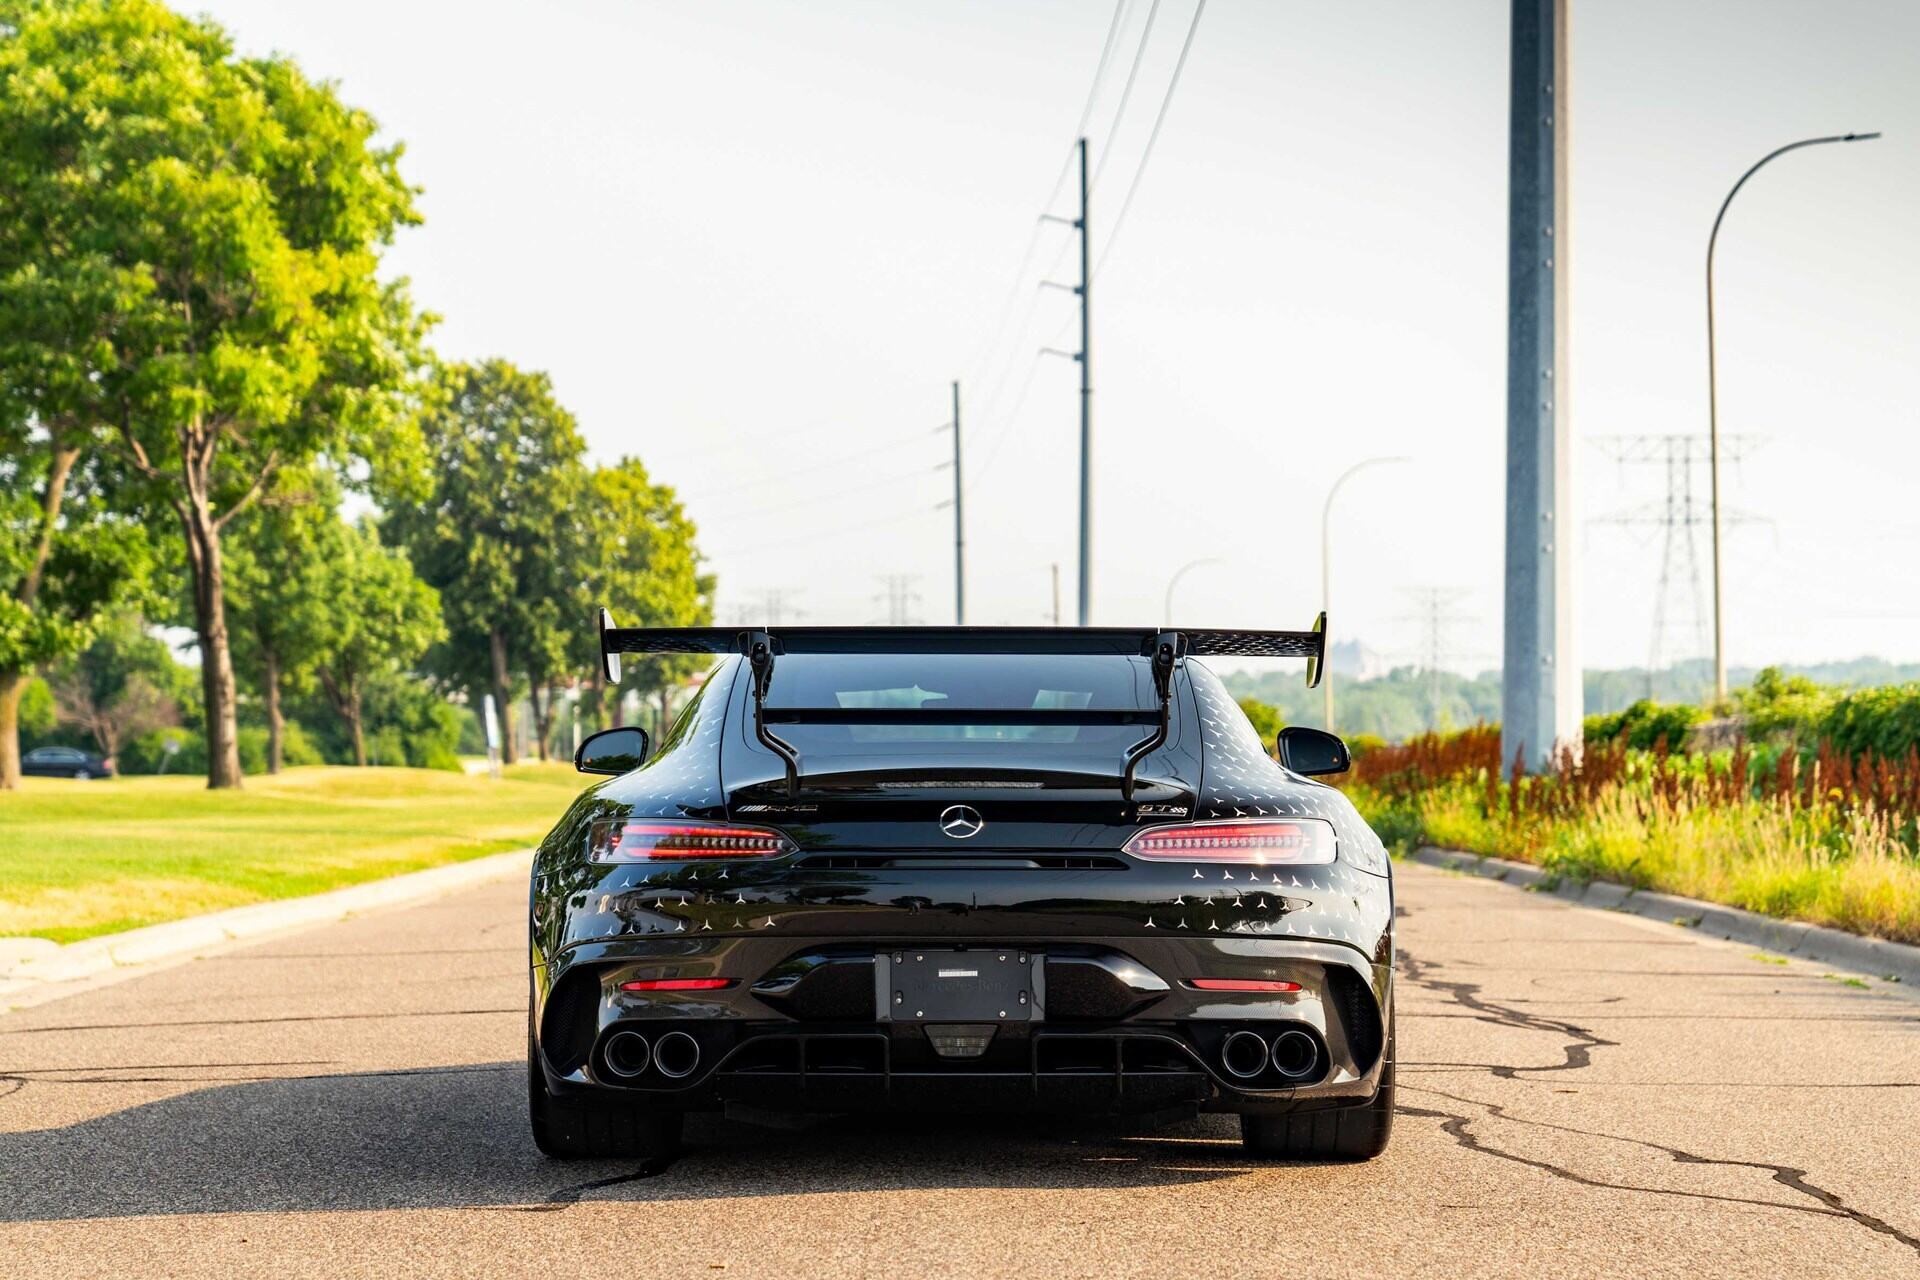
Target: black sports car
[(962, 868)]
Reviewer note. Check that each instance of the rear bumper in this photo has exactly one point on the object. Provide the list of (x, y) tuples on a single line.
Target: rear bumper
[(1114, 1026)]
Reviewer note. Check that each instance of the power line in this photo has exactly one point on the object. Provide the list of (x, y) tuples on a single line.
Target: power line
[(985, 360), (1159, 119), (836, 493), (784, 541), (806, 468), (1126, 92)]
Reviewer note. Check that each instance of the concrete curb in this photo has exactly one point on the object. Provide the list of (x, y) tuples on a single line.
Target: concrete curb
[(1874, 957), (46, 971)]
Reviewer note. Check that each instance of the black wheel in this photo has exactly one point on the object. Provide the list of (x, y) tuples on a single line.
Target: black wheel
[(567, 1130), (1349, 1133)]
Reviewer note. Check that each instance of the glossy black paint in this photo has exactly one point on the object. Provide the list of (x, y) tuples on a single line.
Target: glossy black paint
[(612, 751), (1312, 752), (1046, 876)]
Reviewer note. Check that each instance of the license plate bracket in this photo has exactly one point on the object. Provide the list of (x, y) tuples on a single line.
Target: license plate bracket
[(980, 984)]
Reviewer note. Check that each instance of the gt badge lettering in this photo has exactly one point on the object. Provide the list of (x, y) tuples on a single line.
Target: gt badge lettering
[(1146, 811)]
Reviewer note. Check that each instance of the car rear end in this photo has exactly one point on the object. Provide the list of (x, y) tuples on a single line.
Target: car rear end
[(966, 916)]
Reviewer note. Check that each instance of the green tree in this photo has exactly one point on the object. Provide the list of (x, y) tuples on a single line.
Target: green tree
[(384, 618), (123, 684), (646, 569), (280, 594), (497, 538), (63, 558), (210, 228), (1267, 721)]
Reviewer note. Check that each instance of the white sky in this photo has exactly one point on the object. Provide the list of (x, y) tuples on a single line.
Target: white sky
[(753, 243)]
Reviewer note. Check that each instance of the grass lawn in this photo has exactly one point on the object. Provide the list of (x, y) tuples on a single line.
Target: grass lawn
[(79, 859)]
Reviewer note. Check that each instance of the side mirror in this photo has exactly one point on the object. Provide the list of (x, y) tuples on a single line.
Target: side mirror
[(1312, 751), (612, 751)]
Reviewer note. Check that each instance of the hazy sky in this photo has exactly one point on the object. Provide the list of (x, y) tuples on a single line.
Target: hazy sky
[(753, 243)]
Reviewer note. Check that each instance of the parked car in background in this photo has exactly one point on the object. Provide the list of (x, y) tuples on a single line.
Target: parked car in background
[(65, 762)]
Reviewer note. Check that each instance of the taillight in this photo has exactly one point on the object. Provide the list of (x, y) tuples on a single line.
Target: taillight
[(1260, 841), (1241, 984), (677, 984), (666, 840)]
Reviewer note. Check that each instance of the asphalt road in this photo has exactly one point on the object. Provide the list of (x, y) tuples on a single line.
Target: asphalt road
[(1583, 1094)]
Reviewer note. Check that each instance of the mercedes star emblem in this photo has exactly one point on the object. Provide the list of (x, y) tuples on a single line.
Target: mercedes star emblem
[(961, 821)]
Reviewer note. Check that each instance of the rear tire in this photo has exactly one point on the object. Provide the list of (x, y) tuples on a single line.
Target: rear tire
[(568, 1130), (1346, 1134)]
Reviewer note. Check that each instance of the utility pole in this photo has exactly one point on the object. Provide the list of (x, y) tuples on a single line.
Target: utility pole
[(1084, 356), (959, 525), (1086, 403), (1540, 679)]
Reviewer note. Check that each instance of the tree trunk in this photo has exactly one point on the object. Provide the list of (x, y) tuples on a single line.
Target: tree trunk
[(276, 725), (344, 693), (597, 718), (216, 658), (542, 715), (503, 695), (12, 685)]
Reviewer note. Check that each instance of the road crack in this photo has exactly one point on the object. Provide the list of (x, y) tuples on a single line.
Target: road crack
[(568, 1196), (1579, 1042), (1457, 1127)]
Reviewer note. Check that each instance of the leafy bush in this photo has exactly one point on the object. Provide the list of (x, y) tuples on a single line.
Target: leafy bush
[(1777, 705), (147, 753), (1645, 725), (1885, 721), (1361, 745), (297, 747)]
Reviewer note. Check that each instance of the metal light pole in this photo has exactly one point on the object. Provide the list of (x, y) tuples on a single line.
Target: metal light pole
[(1326, 574), (1174, 581), (1713, 399)]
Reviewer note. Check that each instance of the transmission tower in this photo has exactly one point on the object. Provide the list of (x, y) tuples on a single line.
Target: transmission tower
[(901, 598), (770, 607), (1678, 516), (1436, 611)]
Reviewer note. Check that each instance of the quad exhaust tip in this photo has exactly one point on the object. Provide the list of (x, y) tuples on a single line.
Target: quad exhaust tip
[(1295, 1054), (627, 1054), (677, 1055), (1244, 1055)]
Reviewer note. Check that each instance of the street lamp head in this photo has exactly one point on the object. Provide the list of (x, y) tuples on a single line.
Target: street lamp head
[(1860, 137)]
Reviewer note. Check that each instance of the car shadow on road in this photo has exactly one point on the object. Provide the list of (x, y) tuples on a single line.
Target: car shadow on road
[(457, 1137)]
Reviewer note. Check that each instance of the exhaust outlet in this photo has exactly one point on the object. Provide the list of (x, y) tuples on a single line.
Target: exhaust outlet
[(1295, 1054), (626, 1054), (677, 1055), (1244, 1055)]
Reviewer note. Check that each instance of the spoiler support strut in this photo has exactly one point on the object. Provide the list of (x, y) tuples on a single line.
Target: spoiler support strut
[(1164, 648)]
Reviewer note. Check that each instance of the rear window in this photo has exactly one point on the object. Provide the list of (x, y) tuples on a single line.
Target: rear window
[(973, 682)]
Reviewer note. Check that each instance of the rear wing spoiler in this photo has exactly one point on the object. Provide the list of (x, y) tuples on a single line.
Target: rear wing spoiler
[(1165, 646)]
